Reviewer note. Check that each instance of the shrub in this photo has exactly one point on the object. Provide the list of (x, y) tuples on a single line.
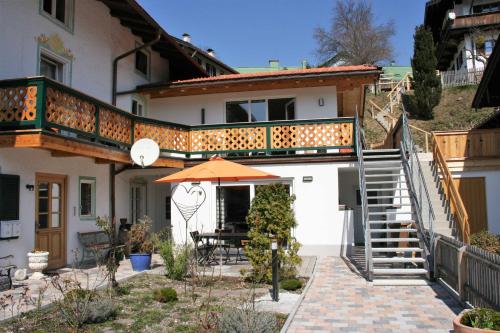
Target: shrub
[(482, 318), (101, 310), (139, 237), (176, 259), (237, 320), (165, 295), (486, 241), (291, 284), (271, 213)]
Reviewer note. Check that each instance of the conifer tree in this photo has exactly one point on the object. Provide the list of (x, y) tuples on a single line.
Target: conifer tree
[(426, 83)]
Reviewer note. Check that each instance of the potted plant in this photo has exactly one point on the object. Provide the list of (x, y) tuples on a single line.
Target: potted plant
[(37, 262), (478, 320), (140, 244)]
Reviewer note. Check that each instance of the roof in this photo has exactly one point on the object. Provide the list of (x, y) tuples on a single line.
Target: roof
[(206, 55), (282, 73), (490, 121), (435, 12), (488, 94), (141, 24)]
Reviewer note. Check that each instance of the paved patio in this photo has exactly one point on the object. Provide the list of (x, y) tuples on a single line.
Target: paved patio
[(340, 300)]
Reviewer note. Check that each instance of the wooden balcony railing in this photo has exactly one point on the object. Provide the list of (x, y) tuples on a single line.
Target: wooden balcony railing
[(451, 192), (475, 20), (40, 103), (473, 144)]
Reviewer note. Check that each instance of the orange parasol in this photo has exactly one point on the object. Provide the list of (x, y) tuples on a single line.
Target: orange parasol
[(216, 169)]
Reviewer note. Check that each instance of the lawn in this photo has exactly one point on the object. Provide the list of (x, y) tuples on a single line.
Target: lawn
[(198, 308)]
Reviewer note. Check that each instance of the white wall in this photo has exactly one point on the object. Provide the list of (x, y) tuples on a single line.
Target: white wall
[(187, 110), (322, 228), (97, 39), (492, 183), (27, 162)]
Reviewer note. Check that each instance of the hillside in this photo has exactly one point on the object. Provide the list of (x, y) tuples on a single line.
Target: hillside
[(453, 112)]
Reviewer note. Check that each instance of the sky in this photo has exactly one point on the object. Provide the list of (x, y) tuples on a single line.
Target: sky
[(247, 33)]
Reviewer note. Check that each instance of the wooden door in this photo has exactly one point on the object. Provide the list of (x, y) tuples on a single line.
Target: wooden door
[(473, 193), (50, 219)]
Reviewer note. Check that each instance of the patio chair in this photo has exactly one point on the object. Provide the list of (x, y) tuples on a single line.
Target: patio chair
[(203, 250), (5, 271), (240, 250), (225, 245)]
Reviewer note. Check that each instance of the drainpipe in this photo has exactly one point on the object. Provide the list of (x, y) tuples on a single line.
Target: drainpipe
[(112, 167), (124, 55)]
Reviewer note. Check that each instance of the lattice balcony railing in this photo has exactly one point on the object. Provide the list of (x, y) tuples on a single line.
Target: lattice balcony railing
[(52, 107)]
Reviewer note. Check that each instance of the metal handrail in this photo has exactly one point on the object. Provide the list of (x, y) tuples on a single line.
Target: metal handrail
[(412, 164), (364, 199)]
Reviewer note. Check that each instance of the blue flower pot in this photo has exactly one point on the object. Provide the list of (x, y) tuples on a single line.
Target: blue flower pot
[(140, 261)]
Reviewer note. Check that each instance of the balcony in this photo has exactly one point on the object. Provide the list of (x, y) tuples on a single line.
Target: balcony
[(475, 20), (48, 107)]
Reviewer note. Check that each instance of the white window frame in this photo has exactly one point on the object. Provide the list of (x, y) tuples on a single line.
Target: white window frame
[(146, 52), (140, 102), (249, 101), (50, 56), (69, 15), (93, 182)]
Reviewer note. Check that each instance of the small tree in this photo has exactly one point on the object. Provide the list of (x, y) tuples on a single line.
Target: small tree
[(426, 83), (271, 215)]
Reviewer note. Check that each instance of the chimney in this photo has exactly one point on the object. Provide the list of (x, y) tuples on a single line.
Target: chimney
[(305, 64), (274, 63), (211, 52), (186, 37)]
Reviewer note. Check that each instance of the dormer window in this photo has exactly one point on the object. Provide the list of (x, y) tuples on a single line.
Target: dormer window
[(59, 11)]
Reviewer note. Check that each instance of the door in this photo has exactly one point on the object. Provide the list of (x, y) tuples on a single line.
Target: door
[(473, 193), (138, 201), (50, 215)]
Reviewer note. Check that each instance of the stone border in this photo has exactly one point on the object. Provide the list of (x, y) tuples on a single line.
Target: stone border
[(295, 308)]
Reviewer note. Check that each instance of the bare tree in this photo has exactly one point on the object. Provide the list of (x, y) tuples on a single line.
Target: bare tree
[(353, 37)]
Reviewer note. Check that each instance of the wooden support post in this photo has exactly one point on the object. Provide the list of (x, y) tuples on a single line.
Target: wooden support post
[(462, 273)]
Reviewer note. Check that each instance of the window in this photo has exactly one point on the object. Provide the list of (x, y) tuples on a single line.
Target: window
[(142, 62), (260, 110), (87, 197), (488, 46), (9, 197), (486, 8), (211, 70), (51, 68), (235, 203), (138, 108), (60, 11), (138, 200)]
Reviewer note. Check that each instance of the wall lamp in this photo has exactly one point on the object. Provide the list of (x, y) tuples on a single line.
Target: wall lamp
[(321, 101), (30, 187), (307, 179)]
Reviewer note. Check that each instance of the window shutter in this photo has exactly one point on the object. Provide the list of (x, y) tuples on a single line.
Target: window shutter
[(9, 197)]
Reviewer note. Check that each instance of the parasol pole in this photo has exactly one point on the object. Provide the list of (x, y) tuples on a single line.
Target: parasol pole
[(220, 228)]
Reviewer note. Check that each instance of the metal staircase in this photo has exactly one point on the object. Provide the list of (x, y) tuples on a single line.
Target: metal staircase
[(395, 203)]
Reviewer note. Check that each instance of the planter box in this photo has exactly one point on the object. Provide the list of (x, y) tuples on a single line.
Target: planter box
[(460, 328)]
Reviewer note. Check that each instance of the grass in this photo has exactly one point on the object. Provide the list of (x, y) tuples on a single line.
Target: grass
[(454, 112), (139, 312)]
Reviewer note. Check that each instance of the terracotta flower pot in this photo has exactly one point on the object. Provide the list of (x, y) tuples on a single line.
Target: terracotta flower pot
[(461, 328)]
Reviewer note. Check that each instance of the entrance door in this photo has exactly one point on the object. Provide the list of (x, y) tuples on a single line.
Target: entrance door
[(50, 223), (138, 201), (473, 193)]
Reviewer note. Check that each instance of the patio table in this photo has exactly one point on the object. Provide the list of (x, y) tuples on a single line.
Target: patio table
[(222, 236)]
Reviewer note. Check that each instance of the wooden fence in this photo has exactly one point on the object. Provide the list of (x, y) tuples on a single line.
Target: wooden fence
[(472, 273), (460, 78)]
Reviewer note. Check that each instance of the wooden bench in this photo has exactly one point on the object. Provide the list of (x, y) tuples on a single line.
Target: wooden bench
[(93, 243), (5, 270)]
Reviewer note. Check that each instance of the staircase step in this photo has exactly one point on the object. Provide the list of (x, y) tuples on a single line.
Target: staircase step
[(393, 230), (387, 196), (386, 213), (371, 175), (387, 182), (377, 157), (392, 222), (386, 189), (376, 163), (371, 151), (399, 271), (396, 249), (394, 240), (400, 282), (397, 260), (389, 205), (383, 168)]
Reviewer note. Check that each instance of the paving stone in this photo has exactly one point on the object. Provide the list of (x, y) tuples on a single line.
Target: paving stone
[(340, 300)]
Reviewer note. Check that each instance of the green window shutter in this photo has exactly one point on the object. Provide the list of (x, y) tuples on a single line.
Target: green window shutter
[(9, 197)]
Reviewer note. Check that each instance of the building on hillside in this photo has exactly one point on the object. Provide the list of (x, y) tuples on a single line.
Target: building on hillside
[(205, 58), (464, 31), (83, 80), (274, 65)]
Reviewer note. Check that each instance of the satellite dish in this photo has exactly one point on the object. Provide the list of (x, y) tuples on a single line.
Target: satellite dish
[(145, 152)]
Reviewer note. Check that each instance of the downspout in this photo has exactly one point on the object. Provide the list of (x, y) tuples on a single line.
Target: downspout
[(124, 55), (112, 167)]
